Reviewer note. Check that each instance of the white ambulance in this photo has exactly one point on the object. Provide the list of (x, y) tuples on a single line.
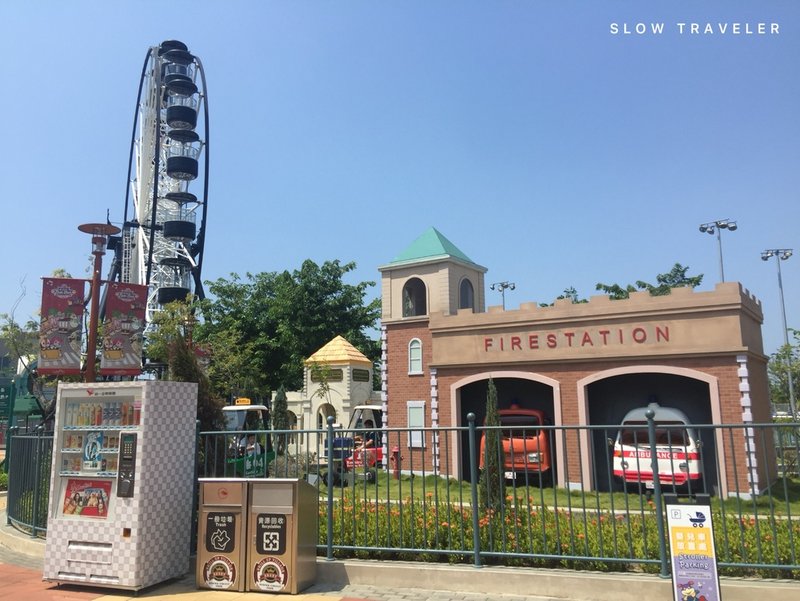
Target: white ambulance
[(677, 450)]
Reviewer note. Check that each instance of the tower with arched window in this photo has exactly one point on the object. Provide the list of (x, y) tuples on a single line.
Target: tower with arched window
[(431, 276)]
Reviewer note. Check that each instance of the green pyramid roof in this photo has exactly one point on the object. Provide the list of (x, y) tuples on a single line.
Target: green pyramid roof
[(430, 245)]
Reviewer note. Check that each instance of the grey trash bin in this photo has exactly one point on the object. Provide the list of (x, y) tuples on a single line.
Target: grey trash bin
[(282, 535), (221, 529)]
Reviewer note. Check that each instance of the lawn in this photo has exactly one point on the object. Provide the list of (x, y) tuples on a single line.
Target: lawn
[(783, 499)]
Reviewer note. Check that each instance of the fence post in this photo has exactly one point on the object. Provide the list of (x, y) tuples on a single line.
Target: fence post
[(37, 478), (10, 434), (662, 543), (329, 478), (196, 493), (473, 485)]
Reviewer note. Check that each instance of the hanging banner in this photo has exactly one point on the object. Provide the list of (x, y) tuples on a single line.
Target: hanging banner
[(61, 326), (123, 329)]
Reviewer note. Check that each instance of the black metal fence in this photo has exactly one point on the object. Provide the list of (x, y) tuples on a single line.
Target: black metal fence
[(29, 458), (596, 504), (429, 493)]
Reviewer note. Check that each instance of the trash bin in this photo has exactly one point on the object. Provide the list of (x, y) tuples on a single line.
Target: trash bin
[(282, 535), (221, 546)]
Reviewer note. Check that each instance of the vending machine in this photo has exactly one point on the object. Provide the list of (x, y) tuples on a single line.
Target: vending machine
[(121, 484)]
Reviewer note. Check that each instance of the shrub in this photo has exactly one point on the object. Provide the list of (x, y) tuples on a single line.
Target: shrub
[(518, 534), (291, 466)]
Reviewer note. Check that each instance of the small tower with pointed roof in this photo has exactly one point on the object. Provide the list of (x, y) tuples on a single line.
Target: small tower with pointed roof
[(432, 275), (337, 378), (344, 370)]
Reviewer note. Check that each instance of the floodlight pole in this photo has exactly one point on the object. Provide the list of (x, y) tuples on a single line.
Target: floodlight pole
[(716, 227), (502, 286), (781, 254)]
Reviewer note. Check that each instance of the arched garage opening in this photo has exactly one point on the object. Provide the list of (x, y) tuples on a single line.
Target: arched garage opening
[(608, 399), (525, 390)]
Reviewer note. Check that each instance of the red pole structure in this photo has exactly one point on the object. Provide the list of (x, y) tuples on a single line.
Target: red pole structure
[(100, 233)]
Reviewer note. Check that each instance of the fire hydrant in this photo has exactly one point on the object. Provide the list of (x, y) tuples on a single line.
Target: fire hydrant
[(395, 459)]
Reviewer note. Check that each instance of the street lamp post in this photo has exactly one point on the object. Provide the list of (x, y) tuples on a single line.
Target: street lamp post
[(100, 233), (717, 226), (781, 254), (502, 287)]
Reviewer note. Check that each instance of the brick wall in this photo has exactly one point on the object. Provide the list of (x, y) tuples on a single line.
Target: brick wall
[(403, 387)]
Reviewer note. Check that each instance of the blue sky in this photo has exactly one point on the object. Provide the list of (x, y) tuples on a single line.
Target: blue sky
[(548, 149)]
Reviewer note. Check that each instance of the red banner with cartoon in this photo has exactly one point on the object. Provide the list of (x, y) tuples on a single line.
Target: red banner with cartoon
[(123, 329), (61, 327), (87, 498)]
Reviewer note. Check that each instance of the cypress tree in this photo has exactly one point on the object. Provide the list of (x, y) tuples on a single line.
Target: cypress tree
[(280, 418), (491, 486), (183, 367)]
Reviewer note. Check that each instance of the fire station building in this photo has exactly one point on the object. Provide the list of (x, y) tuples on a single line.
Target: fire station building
[(583, 364)]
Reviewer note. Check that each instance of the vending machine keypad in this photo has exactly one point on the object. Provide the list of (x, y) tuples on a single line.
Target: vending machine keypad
[(127, 464)]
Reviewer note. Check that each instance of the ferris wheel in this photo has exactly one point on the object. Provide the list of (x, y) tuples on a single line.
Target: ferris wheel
[(163, 234)]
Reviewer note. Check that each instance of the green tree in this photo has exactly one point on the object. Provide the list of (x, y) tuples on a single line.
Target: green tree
[(785, 361), (169, 325), (280, 418), (20, 341), (491, 486), (60, 272), (675, 278), (183, 367), (571, 293), (283, 318), (230, 368), (170, 343), (321, 374)]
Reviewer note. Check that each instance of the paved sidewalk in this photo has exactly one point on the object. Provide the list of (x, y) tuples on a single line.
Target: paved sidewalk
[(22, 559)]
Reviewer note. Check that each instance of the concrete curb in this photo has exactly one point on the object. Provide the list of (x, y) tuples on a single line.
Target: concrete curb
[(546, 583), (13, 539)]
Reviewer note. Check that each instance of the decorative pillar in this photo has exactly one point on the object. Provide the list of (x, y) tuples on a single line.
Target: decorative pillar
[(747, 418), (384, 395)]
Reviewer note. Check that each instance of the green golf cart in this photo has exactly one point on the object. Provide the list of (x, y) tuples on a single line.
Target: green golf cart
[(249, 451)]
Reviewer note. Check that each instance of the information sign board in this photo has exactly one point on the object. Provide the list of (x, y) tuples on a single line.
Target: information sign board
[(694, 559), (271, 533)]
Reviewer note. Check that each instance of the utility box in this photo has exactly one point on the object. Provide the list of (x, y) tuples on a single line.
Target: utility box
[(282, 535), (221, 529)]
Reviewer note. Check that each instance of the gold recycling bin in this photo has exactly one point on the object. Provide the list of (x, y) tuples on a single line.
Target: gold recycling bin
[(281, 535), (221, 529)]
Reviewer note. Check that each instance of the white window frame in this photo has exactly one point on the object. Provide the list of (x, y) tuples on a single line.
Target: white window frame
[(411, 370), (416, 438)]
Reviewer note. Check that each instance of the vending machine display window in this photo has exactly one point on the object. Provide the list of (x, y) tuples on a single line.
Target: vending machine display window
[(92, 422), (91, 433)]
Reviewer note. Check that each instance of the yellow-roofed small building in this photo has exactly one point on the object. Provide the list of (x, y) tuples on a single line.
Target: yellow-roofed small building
[(336, 379)]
